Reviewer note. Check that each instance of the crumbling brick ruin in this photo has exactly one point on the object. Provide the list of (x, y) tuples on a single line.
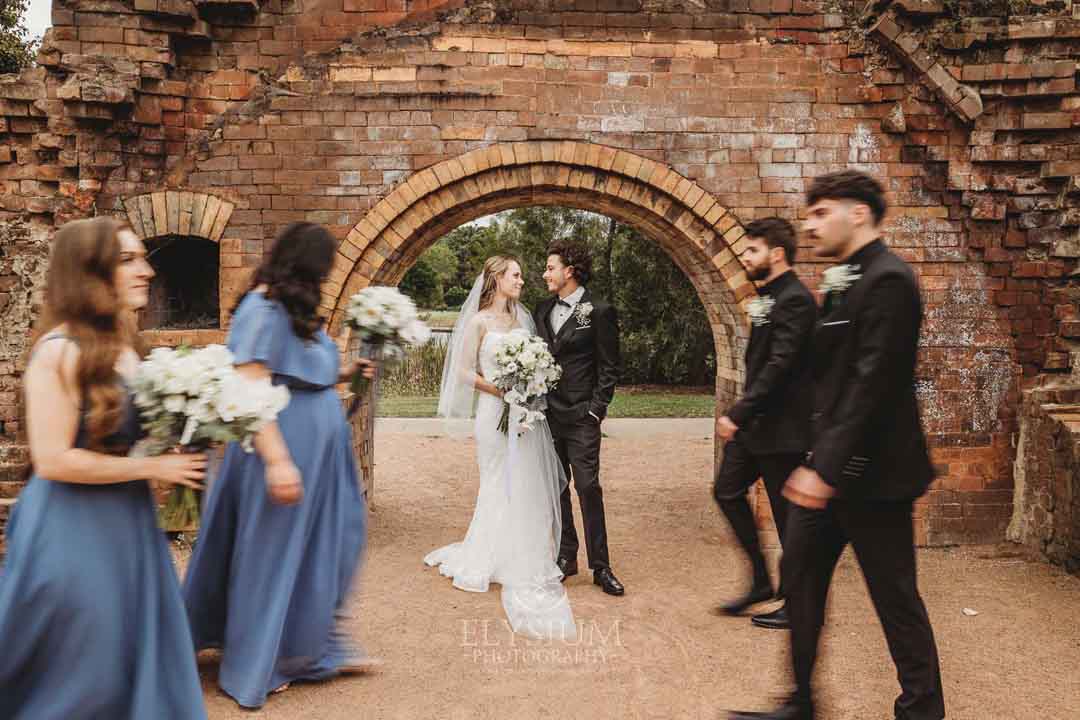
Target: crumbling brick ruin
[(209, 124)]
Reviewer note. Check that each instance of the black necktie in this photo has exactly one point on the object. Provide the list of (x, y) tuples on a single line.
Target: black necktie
[(560, 301)]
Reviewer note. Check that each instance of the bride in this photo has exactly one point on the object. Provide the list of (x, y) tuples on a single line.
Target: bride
[(515, 530)]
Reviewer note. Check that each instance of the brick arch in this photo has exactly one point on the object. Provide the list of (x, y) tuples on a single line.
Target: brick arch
[(189, 214), (698, 233), (178, 212)]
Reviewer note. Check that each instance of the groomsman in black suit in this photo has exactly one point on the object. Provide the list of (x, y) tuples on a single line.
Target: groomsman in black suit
[(582, 332), (768, 429), (868, 460)]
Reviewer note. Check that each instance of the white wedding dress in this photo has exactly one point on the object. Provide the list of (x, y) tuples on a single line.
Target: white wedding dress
[(514, 534)]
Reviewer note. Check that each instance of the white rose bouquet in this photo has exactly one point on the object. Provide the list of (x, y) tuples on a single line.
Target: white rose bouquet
[(195, 398), (386, 321), (526, 372)]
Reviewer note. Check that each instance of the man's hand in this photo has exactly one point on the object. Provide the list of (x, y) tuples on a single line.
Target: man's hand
[(725, 428), (806, 489)]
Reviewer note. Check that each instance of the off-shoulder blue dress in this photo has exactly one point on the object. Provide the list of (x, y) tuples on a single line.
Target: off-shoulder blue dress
[(92, 625), (266, 580)]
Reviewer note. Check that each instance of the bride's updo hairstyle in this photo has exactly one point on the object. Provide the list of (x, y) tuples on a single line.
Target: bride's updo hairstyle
[(494, 268)]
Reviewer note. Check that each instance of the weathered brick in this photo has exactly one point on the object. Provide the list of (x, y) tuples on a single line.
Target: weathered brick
[(685, 121)]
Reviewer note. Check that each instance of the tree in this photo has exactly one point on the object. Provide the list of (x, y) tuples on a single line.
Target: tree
[(428, 280), (17, 48), (443, 262), (666, 338), (421, 283), (471, 245)]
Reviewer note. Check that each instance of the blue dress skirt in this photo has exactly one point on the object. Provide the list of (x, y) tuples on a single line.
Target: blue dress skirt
[(266, 580), (92, 625)]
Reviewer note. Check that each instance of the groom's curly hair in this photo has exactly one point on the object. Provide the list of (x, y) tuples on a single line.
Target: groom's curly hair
[(576, 255)]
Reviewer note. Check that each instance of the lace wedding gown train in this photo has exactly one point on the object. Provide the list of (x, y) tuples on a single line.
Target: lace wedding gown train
[(514, 534)]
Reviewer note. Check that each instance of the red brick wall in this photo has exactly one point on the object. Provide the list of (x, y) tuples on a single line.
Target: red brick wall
[(307, 111)]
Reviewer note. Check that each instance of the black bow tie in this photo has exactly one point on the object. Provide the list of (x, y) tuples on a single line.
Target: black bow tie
[(560, 301)]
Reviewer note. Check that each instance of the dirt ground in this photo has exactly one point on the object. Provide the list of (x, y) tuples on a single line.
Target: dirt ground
[(658, 652)]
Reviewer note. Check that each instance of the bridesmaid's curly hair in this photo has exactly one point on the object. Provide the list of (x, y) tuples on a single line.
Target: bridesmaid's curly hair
[(294, 272)]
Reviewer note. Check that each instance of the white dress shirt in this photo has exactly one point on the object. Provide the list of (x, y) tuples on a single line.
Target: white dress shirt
[(561, 313)]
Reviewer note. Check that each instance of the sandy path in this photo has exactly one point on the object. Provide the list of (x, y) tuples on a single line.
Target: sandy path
[(658, 652)]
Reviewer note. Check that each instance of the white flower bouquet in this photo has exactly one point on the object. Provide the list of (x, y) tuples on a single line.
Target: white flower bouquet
[(194, 399), (526, 372), (386, 322)]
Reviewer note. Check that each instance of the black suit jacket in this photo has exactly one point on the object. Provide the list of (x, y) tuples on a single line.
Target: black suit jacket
[(773, 414), (588, 353), (868, 437)]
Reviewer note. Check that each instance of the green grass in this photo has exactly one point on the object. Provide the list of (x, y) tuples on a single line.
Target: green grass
[(631, 404)]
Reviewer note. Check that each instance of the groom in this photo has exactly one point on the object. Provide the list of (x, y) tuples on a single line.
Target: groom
[(583, 335)]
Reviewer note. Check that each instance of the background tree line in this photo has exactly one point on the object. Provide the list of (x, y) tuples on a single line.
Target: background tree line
[(17, 48), (666, 338)]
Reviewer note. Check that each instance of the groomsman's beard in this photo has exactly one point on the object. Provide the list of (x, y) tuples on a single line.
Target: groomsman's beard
[(760, 272)]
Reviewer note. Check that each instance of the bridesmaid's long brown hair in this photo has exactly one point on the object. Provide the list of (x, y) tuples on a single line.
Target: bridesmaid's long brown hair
[(80, 292)]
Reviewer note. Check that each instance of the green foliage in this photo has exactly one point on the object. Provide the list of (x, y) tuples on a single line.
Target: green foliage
[(665, 334), (443, 262), (422, 284), (455, 297), (17, 48), (427, 281)]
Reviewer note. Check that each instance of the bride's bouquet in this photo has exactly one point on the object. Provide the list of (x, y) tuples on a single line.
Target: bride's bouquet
[(525, 372), (193, 399), (386, 322)]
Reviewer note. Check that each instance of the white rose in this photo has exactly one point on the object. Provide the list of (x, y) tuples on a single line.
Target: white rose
[(175, 403), (418, 333)]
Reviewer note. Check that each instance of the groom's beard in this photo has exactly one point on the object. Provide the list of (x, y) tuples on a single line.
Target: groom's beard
[(760, 272)]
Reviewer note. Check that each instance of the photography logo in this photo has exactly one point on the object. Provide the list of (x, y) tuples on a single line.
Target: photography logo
[(540, 634)]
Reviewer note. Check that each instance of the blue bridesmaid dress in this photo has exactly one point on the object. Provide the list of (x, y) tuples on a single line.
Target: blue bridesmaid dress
[(92, 625), (266, 580)]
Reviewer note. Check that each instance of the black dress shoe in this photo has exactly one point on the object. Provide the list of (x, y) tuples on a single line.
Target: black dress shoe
[(790, 710), (567, 566), (775, 620), (608, 582), (757, 594)]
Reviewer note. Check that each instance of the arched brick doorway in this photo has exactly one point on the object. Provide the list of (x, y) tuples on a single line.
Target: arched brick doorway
[(700, 235)]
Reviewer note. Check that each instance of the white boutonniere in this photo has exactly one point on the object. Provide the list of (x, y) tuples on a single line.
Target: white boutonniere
[(839, 278), (582, 311), (759, 308)]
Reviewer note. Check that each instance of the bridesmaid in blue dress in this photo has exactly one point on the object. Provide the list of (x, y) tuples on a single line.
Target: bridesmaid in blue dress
[(283, 528), (92, 625)]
